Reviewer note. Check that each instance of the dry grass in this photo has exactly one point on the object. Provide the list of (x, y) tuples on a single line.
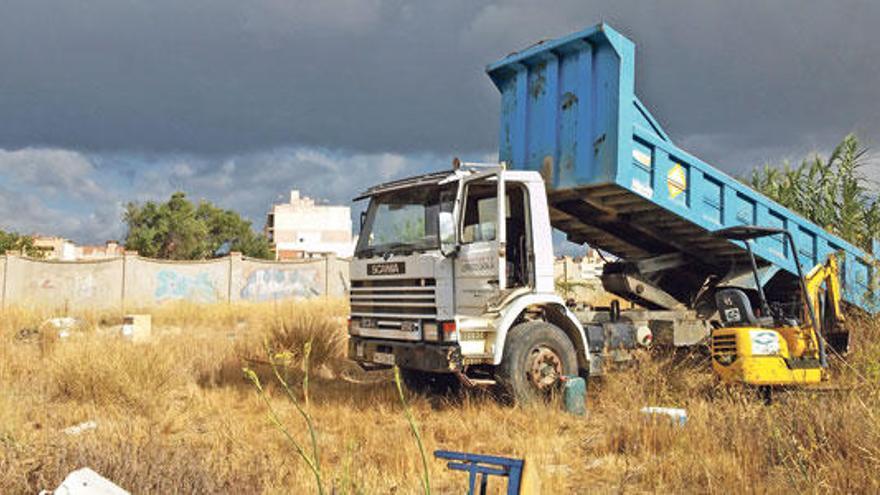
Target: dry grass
[(175, 415)]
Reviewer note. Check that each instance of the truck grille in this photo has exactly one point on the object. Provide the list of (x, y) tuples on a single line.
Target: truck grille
[(388, 303)]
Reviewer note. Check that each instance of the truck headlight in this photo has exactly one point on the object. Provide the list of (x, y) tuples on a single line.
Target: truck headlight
[(430, 331), (764, 342)]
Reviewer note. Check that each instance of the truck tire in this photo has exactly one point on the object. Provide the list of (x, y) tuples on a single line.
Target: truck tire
[(427, 383), (536, 355)]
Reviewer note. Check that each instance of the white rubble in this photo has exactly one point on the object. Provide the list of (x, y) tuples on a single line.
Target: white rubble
[(86, 482), (80, 428), (678, 416), (63, 325)]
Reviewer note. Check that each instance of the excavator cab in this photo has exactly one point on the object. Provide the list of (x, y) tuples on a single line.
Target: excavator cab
[(758, 346)]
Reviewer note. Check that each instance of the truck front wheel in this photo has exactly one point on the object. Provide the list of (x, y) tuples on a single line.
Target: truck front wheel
[(536, 356)]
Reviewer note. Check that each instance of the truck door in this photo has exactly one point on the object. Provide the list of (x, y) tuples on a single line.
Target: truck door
[(480, 267)]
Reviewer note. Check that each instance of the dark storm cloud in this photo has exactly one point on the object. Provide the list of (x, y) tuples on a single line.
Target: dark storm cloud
[(226, 76), (237, 101), (232, 75)]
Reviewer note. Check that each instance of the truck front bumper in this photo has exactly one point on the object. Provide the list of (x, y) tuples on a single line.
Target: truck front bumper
[(377, 353)]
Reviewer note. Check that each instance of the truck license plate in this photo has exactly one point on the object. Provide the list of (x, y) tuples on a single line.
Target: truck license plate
[(383, 358)]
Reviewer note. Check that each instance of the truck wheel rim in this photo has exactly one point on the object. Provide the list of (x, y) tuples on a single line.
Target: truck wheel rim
[(544, 368)]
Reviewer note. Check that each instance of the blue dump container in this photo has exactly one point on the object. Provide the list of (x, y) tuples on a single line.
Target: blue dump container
[(617, 181)]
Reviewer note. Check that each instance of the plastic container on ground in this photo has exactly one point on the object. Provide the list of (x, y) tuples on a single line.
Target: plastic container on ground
[(574, 393)]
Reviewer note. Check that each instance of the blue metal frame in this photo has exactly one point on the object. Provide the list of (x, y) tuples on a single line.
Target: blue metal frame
[(569, 107), (480, 467)]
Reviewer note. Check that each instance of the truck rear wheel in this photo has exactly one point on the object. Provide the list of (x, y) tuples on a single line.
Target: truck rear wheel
[(536, 356), (424, 382)]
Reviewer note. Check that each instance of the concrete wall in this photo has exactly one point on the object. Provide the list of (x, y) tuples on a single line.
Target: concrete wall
[(132, 281), (62, 283)]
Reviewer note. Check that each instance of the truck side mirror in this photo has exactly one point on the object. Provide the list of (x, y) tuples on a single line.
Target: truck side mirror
[(448, 246), (363, 220)]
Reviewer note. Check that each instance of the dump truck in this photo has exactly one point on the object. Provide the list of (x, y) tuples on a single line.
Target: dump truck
[(452, 277)]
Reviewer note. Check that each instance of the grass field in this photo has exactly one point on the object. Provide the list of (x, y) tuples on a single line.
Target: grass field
[(175, 415)]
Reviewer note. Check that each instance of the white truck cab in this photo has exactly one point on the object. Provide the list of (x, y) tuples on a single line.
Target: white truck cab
[(452, 280)]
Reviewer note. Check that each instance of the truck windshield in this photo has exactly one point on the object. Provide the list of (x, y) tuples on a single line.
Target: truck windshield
[(405, 220)]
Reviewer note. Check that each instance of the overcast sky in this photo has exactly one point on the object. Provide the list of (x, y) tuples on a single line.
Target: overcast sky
[(238, 101)]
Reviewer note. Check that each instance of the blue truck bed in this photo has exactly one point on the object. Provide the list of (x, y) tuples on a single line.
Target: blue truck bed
[(617, 181)]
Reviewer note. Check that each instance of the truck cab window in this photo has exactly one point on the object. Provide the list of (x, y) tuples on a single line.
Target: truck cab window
[(480, 214), (481, 223), (516, 249), (405, 220)]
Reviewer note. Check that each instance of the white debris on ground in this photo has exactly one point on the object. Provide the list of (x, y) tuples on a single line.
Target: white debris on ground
[(678, 416), (81, 428), (137, 328), (63, 325), (86, 482)]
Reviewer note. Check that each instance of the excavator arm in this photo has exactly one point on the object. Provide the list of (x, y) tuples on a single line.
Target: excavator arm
[(823, 288)]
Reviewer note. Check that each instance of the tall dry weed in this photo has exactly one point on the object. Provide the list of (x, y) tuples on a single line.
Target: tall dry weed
[(170, 421), (807, 440), (115, 373), (319, 326)]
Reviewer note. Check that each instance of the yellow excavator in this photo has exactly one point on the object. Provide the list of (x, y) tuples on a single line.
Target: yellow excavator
[(771, 347)]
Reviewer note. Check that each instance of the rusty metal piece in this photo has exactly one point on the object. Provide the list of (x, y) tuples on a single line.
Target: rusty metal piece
[(544, 368), (469, 382)]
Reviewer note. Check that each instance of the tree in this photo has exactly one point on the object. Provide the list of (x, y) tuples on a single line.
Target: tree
[(180, 230), (12, 241), (833, 193), (227, 231)]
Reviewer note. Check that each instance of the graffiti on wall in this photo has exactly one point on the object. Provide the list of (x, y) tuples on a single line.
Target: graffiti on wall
[(275, 283), (78, 286), (172, 285)]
